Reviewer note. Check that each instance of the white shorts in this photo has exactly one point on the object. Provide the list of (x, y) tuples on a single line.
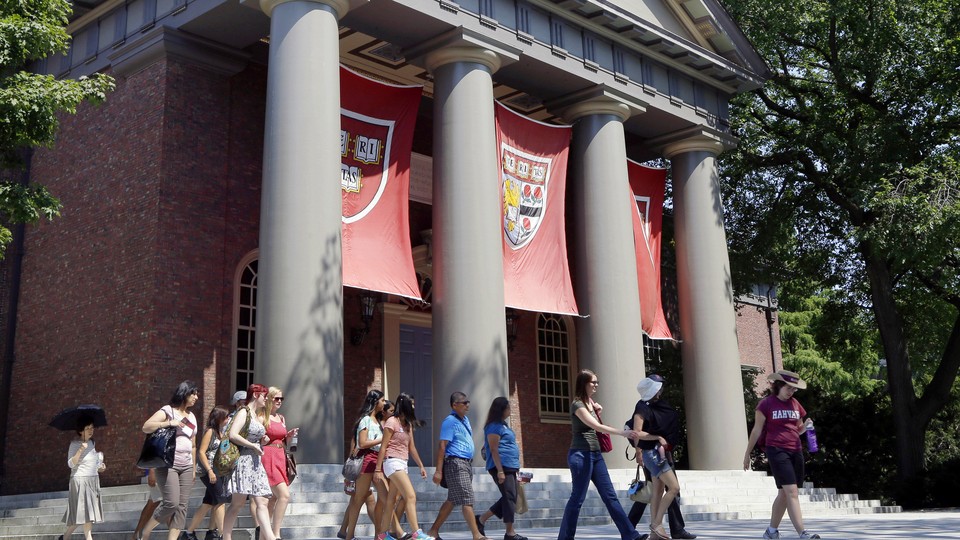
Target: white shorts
[(392, 465)]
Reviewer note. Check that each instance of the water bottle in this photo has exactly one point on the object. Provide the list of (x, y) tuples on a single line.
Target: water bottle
[(293, 443), (349, 487), (811, 437)]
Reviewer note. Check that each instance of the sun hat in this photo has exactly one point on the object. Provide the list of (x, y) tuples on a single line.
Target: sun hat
[(649, 387), (239, 395), (789, 377)]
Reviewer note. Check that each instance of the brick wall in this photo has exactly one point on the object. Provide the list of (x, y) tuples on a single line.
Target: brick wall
[(130, 291), (754, 337)]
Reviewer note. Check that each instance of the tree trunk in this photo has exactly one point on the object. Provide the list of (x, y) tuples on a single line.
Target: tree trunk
[(911, 415), (909, 428)]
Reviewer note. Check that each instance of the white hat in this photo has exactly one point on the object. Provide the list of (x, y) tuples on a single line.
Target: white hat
[(648, 388), (239, 395)]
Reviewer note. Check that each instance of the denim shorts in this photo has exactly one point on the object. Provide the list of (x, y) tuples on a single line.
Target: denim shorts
[(650, 459)]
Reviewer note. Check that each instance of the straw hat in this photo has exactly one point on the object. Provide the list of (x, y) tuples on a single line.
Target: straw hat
[(789, 377)]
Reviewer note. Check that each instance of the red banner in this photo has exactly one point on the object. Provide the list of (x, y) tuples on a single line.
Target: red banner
[(376, 139), (647, 185), (533, 170)]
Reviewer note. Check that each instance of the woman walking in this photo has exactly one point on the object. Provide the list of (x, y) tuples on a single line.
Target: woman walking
[(249, 478), (658, 426), (215, 495), (275, 457), (503, 464), (779, 420), (367, 436), (176, 481), (83, 505), (586, 462), (395, 450)]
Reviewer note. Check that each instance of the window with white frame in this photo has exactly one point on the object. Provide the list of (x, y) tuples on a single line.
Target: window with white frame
[(554, 365), (246, 326)]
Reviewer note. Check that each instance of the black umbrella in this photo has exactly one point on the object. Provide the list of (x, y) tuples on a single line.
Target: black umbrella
[(69, 419)]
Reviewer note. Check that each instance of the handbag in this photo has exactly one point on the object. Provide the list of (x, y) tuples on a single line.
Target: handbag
[(159, 448), (606, 443), (640, 490), (351, 467), (225, 460), (291, 468), (521, 506)]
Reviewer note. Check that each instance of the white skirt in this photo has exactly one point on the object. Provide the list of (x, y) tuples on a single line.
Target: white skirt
[(83, 505)]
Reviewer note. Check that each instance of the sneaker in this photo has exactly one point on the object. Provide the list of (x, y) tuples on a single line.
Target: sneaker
[(406, 536), (190, 535), (212, 534), (420, 535), (771, 533), (683, 534), (807, 534), (515, 537), (341, 534), (479, 525), (385, 536)]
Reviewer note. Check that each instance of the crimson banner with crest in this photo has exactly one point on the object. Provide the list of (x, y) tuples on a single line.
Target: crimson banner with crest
[(533, 172), (647, 185), (376, 139)]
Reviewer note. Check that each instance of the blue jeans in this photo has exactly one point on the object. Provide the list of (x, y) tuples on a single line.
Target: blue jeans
[(586, 466)]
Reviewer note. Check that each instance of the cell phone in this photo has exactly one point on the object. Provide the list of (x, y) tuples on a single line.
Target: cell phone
[(186, 422)]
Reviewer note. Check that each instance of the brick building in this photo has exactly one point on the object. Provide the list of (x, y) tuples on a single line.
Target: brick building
[(170, 240)]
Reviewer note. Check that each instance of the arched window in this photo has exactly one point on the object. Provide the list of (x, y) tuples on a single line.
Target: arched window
[(245, 323), (554, 365)]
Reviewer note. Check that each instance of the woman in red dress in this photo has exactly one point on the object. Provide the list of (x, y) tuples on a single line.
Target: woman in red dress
[(275, 457)]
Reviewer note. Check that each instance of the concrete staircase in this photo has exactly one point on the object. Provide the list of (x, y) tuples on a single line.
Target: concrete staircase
[(319, 502)]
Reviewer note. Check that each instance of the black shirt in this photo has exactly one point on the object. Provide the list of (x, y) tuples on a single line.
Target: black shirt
[(659, 418)]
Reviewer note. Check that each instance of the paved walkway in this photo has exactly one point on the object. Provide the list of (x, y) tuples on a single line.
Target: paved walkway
[(931, 524)]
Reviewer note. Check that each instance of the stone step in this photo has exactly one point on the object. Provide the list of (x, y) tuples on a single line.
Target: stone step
[(318, 503)]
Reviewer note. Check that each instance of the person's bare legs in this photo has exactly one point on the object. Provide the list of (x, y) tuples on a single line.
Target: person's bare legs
[(278, 505), (88, 530), (198, 516), (471, 520), (400, 485), (148, 509), (442, 516), (792, 496), (237, 502), (361, 494), (779, 507), (669, 480), (262, 514), (69, 531)]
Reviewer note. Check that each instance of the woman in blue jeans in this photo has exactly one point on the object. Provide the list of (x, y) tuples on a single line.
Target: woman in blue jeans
[(586, 462)]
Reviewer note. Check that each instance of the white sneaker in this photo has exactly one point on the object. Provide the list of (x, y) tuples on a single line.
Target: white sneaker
[(771, 533), (807, 534)]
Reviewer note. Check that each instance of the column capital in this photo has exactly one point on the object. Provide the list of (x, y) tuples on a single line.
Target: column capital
[(693, 139), (461, 45), (339, 7), (599, 99)]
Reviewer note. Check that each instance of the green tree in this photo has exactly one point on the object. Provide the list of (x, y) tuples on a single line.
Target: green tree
[(848, 177), (30, 102)]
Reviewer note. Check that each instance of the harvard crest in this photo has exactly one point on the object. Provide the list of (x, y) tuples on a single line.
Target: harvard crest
[(364, 162), (524, 191)]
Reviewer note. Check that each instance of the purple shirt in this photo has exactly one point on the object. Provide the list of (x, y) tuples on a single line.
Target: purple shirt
[(782, 426)]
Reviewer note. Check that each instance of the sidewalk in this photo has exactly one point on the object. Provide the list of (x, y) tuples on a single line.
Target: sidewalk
[(931, 524)]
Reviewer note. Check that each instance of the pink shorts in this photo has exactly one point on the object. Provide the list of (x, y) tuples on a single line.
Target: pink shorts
[(369, 461)]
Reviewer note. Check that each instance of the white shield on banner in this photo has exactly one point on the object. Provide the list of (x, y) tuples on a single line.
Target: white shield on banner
[(365, 162), (523, 185)]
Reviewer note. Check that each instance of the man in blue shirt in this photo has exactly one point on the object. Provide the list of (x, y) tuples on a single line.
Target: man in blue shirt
[(455, 466)]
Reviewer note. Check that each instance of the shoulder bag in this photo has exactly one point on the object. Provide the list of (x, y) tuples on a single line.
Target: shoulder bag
[(606, 444), (225, 460), (640, 490), (159, 448)]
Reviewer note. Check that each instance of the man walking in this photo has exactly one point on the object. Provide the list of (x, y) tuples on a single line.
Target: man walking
[(455, 466)]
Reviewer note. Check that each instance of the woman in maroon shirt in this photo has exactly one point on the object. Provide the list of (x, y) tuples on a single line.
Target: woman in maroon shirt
[(779, 420)]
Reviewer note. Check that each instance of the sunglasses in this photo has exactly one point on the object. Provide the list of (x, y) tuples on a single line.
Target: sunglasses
[(278, 399)]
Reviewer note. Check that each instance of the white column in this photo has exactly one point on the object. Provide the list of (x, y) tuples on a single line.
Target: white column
[(713, 386), (610, 338), (469, 329), (300, 288)]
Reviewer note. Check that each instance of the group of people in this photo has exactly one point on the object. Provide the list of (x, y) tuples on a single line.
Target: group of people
[(654, 429), (383, 436), (260, 472)]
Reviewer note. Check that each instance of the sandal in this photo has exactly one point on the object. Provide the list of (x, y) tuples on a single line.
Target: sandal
[(658, 533)]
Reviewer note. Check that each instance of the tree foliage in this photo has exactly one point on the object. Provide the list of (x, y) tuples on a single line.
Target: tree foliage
[(847, 183), (30, 102)]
